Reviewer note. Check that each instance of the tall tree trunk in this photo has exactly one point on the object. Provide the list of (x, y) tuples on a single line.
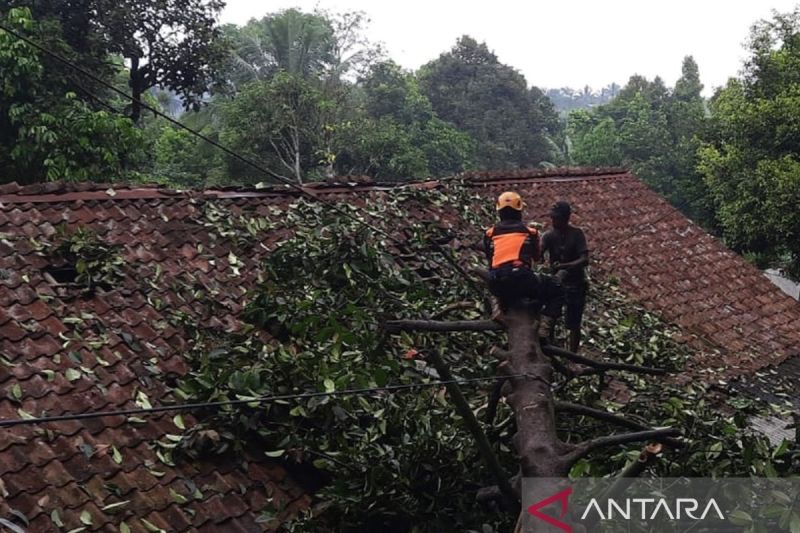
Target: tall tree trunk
[(136, 89), (297, 171), (540, 451)]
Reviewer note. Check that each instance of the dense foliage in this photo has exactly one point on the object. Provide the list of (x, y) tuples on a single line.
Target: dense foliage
[(308, 96), (730, 163), (47, 131), (471, 88), (750, 157), (403, 461), (652, 130), (304, 94)]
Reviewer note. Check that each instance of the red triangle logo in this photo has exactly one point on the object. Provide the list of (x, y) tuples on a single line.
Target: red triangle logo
[(562, 497)]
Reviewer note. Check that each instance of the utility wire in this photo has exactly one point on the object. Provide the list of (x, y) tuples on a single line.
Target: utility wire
[(448, 262), (259, 400)]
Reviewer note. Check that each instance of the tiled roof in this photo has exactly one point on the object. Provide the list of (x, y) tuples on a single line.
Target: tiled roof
[(669, 264), (69, 353)]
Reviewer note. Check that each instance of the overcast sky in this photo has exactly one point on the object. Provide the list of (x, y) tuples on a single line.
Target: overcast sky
[(560, 43)]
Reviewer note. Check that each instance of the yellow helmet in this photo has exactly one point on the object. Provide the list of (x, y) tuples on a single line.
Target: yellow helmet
[(509, 199)]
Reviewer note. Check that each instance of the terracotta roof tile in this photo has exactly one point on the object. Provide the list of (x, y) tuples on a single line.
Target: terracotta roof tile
[(671, 266)]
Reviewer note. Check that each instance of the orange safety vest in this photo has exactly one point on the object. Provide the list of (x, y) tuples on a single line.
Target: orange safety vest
[(516, 245)]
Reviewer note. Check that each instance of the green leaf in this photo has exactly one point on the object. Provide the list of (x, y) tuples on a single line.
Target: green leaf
[(275, 453), (25, 415), (178, 497), (178, 421), (150, 526), (329, 385), (55, 517), (72, 375), (16, 391), (115, 455), (124, 528), (143, 401), (794, 523), (740, 518), (114, 507), (86, 518)]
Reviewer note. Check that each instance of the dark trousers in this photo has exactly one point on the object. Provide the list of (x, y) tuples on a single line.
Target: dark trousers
[(522, 288), (574, 304)]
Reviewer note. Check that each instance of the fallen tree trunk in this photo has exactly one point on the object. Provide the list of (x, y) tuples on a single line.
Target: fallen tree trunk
[(528, 391)]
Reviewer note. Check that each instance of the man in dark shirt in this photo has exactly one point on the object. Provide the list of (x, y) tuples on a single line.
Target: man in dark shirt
[(565, 246)]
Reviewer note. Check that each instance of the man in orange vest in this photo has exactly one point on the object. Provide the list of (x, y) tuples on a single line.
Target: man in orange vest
[(511, 249)]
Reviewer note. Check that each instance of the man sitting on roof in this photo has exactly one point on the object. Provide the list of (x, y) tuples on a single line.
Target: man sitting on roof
[(565, 246), (512, 248)]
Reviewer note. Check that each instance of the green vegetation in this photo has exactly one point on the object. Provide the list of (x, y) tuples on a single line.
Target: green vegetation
[(309, 97), (730, 163), (403, 461), (47, 132), (750, 155), (304, 94), (654, 131)]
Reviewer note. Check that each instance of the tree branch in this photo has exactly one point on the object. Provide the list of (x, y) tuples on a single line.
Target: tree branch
[(453, 307), (474, 427), (611, 418), (602, 365), (584, 448), (494, 400), (395, 326)]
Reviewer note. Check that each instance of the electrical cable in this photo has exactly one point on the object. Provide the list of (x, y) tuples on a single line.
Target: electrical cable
[(258, 400)]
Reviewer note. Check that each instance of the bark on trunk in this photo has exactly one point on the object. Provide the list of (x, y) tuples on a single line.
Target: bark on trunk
[(536, 441), (136, 90)]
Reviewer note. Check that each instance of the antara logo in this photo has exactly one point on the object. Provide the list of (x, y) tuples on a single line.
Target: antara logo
[(649, 509), (563, 498), (660, 508)]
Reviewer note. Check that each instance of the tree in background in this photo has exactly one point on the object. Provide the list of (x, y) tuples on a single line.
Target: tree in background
[(750, 155), (286, 92), (286, 122), (172, 44), (297, 43), (46, 130), (687, 119), (654, 131), (305, 94), (469, 87), (395, 133)]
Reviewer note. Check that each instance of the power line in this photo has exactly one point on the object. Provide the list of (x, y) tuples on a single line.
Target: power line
[(259, 400), (261, 168), (145, 105)]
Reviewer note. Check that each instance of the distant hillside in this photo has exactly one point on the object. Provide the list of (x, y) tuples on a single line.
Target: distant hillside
[(565, 99)]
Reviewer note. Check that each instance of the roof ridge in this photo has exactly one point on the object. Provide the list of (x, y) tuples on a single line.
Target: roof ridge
[(68, 192), (528, 173)]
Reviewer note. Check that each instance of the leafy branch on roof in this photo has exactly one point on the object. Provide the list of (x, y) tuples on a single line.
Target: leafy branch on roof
[(406, 458), (82, 258)]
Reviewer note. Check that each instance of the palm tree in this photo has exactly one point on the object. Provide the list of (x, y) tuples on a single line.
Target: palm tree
[(300, 44)]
